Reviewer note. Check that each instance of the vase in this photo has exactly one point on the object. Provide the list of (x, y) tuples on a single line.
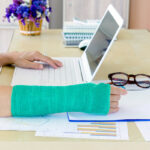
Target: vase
[(30, 28)]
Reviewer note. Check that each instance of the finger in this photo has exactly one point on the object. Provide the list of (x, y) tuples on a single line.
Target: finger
[(46, 59), (58, 63), (115, 98), (31, 65), (114, 104), (118, 91), (113, 110)]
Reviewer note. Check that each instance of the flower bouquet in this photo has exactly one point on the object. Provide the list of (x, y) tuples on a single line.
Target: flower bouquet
[(30, 14)]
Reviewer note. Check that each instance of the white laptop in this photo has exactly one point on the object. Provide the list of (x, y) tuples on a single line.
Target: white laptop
[(77, 70)]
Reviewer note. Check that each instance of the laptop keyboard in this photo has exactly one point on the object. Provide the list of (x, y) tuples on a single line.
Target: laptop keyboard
[(69, 74)]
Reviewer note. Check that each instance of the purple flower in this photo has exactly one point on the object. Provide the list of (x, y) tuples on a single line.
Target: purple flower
[(17, 2), (20, 10), (33, 11), (47, 18), (25, 15)]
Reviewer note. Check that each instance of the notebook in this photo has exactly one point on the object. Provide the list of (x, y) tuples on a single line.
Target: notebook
[(77, 31)]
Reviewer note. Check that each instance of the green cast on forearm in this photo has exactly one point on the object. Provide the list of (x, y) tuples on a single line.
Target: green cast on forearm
[(28, 101)]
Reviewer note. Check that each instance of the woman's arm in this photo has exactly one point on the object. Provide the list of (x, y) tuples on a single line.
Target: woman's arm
[(5, 100), (26, 60), (5, 59)]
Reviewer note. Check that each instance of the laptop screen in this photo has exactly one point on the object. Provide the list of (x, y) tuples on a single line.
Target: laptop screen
[(101, 41)]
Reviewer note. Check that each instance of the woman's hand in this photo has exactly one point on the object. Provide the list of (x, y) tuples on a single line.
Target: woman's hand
[(26, 60), (116, 94)]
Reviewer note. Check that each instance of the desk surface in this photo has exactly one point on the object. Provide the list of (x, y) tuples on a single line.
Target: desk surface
[(130, 54)]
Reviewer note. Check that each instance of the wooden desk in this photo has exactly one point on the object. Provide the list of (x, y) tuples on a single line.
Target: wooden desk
[(130, 53)]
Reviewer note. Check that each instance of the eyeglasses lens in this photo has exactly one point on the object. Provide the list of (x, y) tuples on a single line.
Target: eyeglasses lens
[(143, 81), (119, 79)]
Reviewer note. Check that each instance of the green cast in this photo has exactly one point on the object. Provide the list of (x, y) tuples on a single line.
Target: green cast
[(29, 101)]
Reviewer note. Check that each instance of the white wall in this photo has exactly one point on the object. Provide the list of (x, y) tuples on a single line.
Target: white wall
[(94, 9)]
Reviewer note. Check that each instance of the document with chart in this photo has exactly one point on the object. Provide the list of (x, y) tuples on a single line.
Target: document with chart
[(58, 126)]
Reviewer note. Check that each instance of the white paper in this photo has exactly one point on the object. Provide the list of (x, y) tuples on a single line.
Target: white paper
[(144, 128), (59, 126), (135, 105), (31, 123), (22, 124), (5, 40)]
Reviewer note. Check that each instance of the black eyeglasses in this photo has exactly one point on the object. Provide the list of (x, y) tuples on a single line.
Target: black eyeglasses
[(121, 79)]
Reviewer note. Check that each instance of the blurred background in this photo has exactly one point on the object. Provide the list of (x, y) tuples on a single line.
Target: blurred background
[(134, 12)]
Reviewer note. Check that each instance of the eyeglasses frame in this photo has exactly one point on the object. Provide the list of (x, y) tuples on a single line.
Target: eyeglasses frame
[(128, 76)]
